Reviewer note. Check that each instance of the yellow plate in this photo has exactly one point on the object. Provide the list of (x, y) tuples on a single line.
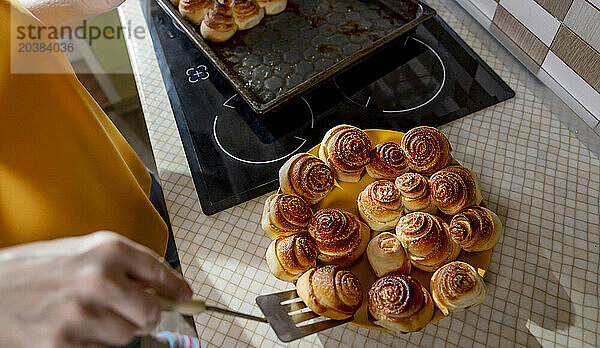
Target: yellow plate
[(344, 197)]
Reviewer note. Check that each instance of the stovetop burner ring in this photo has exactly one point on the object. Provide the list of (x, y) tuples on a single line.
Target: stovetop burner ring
[(439, 63)]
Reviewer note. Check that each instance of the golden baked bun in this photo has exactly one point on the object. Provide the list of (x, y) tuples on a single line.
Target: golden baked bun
[(306, 176), (284, 215), (247, 13), (400, 303), (330, 291), (195, 10), (476, 229), (427, 150), (386, 255), (454, 188), (346, 150), (218, 24), (380, 205), (273, 7), (289, 257), (426, 240), (457, 286), (415, 193), (387, 161), (340, 236)]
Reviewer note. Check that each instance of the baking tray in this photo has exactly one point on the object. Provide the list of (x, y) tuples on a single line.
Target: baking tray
[(288, 54)]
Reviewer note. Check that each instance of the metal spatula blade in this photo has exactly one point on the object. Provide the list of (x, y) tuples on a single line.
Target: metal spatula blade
[(290, 318)]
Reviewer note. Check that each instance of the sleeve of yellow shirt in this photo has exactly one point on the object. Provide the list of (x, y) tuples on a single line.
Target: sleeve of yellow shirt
[(65, 170)]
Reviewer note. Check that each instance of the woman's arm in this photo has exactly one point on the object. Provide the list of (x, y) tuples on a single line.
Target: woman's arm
[(82, 291), (68, 13)]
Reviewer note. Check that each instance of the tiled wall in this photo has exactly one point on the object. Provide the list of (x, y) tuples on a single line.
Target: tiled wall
[(560, 37)]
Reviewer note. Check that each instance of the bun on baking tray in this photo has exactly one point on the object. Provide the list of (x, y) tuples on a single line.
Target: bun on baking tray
[(330, 291), (273, 7), (195, 10), (218, 24), (247, 13)]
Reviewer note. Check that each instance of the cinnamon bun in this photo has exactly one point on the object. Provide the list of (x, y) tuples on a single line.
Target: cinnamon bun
[(340, 236), (476, 229), (380, 205), (387, 161), (454, 188), (330, 291), (273, 7), (195, 10), (415, 193), (386, 255), (346, 150), (218, 24), (426, 240), (427, 150), (306, 176), (284, 215), (457, 286), (400, 303), (247, 13), (289, 257)]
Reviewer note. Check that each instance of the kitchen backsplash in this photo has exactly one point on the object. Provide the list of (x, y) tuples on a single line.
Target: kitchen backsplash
[(560, 37)]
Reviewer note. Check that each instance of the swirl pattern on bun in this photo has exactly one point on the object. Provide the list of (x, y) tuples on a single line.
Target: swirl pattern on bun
[(415, 193), (426, 240), (247, 13), (195, 10), (387, 161), (476, 229), (400, 303), (427, 150), (457, 286), (306, 176), (454, 188), (346, 150), (380, 205), (284, 215), (330, 291), (289, 257), (340, 236), (218, 24)]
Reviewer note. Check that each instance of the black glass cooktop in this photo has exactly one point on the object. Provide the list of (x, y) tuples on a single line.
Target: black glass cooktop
[(427, 77)]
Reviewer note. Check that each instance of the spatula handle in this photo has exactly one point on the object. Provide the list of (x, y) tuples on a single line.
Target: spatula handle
[(192, 307)]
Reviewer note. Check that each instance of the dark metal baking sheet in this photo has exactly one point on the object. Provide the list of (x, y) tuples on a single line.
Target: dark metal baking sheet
[(310, 42)]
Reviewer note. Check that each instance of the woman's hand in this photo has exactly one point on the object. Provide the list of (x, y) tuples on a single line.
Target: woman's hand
[(99, 289), (68, 13)]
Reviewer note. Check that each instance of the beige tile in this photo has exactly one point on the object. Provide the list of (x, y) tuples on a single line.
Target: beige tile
[(520, 35), (557, 8), (578, 55), (584, 19)]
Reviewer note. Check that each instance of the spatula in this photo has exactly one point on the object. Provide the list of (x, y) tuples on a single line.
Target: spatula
[(290, 318), (285, 312)]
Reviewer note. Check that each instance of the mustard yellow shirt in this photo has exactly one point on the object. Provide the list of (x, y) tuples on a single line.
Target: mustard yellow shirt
[(65, 170)]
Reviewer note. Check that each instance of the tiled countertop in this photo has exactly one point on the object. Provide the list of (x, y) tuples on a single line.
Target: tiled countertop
[(537, 173)]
